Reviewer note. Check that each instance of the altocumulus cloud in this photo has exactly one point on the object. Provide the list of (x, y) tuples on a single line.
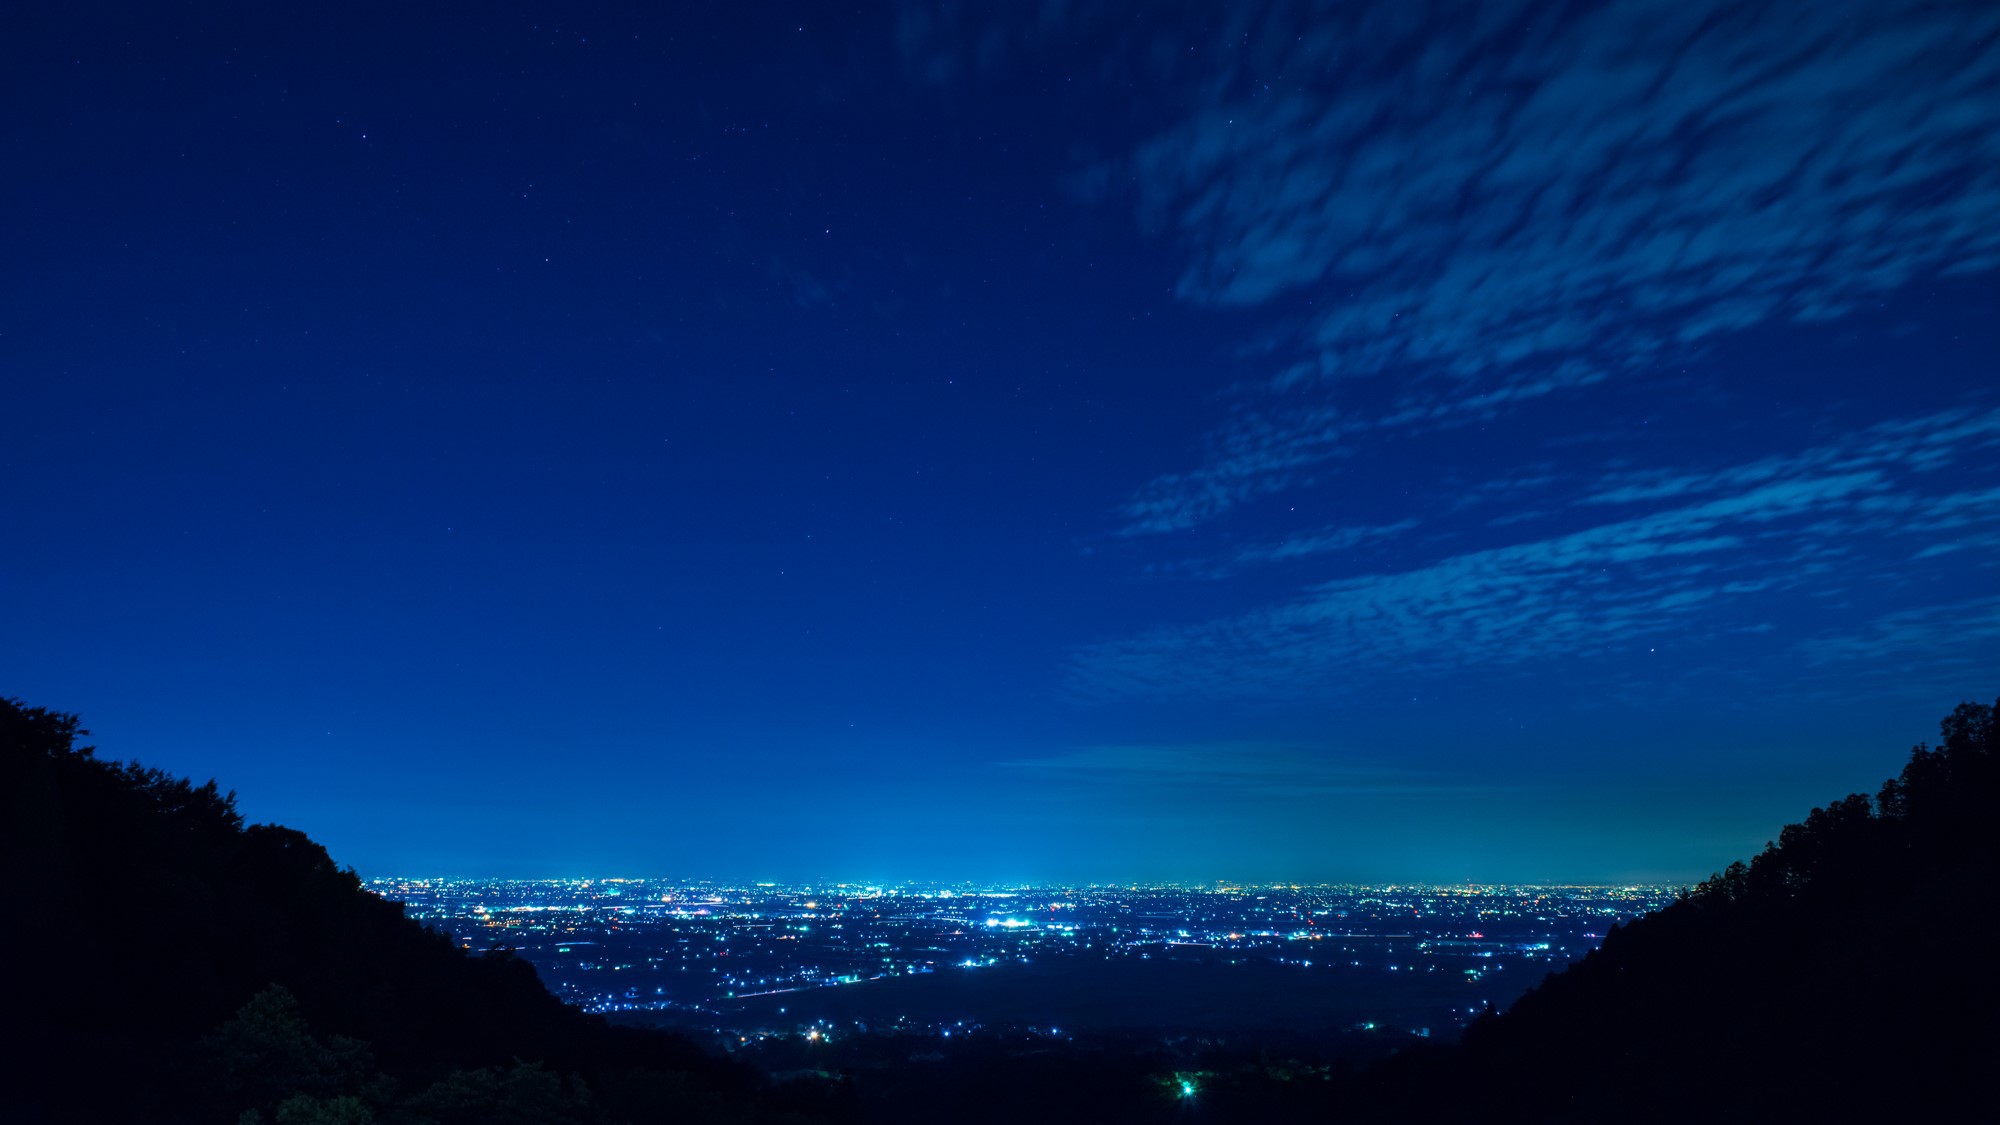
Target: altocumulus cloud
[(1490, 204), (1682, 554), (1422, 216)]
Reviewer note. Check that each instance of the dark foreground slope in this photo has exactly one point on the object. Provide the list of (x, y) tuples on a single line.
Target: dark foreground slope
[(1844, 974), (149, 926), (1847, 973)]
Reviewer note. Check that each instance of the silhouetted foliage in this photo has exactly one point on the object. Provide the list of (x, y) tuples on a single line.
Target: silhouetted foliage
[(1840, 974), (179, 966), (522, 1094), (267, 1055), (153, 924)]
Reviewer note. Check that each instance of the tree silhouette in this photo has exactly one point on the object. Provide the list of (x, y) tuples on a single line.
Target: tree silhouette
[(178, 965), (219, 968), (1839, 974)]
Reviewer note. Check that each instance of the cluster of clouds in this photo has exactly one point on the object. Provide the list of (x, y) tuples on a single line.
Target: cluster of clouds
[(1449, 212), (1489, 204), (1656, 556), (1961, 636)]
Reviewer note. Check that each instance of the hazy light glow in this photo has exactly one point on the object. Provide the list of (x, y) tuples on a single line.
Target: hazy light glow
[(1372, 442)]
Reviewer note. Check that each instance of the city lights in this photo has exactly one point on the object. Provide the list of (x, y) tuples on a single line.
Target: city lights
[(752, 962)]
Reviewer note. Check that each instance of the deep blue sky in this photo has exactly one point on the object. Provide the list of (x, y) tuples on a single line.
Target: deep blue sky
[(1386, 441)]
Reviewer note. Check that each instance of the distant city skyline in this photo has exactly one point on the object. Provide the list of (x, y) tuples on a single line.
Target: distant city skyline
[(1361, 443)]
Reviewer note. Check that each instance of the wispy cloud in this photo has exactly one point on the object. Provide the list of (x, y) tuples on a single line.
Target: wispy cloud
[(1320, 542), (1311, 544), (1712, 538), (1502, 203), (1255, 455), (1459, 213), (1921, 444), (1963, 635)]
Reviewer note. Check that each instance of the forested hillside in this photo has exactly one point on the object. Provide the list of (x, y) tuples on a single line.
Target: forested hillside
[(1846, 970), (176, 964)]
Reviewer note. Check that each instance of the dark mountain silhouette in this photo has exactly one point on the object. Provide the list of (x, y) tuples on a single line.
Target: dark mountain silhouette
[(1844, 974), (172, 963)]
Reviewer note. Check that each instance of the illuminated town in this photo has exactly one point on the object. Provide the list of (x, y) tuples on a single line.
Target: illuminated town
[(818, 963)]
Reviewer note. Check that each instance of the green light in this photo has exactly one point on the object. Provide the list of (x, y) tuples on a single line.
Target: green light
[(1187, 1088)]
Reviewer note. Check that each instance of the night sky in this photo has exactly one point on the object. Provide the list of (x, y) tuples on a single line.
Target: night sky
[(994, 441)]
